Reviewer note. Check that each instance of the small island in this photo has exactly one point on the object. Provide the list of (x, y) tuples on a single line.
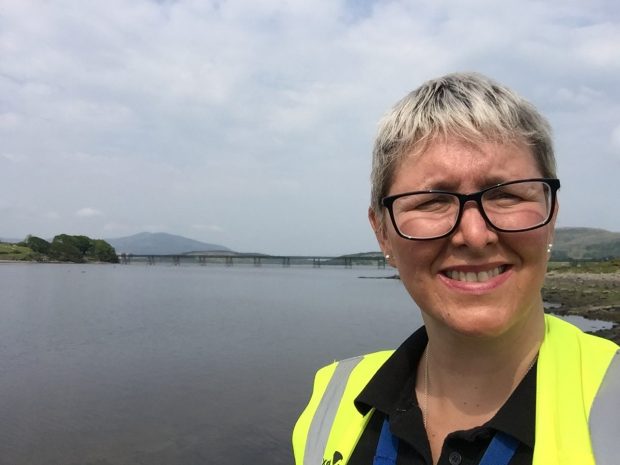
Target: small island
[(63, 248)]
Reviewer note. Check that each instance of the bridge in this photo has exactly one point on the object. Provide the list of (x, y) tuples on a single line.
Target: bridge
[(256, 260)]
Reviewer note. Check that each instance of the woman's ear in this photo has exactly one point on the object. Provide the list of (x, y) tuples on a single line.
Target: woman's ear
[(378, 226), (552, 222), (551, 225)]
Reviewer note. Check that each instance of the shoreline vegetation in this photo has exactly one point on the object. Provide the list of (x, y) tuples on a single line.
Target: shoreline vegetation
[(589, 289), (64, 248)]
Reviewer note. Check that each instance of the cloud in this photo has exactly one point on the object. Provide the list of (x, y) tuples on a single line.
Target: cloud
[(9, 121), (615, 140), (14, 157), (208, 228), (88, 212), (581, 96), (258, 117), (51, 215)]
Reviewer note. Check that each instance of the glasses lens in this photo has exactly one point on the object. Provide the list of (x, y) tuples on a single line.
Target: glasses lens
[(425, 215), (518, 206)]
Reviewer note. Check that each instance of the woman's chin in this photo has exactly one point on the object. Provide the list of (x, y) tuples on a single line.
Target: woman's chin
[(477, 323)]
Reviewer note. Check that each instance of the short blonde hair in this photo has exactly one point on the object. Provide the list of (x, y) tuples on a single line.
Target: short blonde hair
[(463, 105)]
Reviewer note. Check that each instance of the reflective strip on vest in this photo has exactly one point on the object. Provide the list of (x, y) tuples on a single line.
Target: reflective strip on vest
[(321, 424), (605, 417)]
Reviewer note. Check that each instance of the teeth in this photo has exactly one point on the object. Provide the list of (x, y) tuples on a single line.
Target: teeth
[(472, 277)]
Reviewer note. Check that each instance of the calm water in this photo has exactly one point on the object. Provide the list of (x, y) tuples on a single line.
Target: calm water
[(139, 364), (176, 365)]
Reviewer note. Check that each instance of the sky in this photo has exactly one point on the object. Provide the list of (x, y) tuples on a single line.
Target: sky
[(250, 123)]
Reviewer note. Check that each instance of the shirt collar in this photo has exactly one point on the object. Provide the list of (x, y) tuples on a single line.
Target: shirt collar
[(387, 388), (390, 391)]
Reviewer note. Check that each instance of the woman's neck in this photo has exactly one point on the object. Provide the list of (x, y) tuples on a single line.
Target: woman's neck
[(463, 381), (492, 359)]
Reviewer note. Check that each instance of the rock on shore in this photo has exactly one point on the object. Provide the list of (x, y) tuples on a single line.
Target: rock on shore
[(594, 296)]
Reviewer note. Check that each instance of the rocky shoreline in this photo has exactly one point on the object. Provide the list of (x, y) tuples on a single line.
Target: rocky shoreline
[(592, 295)]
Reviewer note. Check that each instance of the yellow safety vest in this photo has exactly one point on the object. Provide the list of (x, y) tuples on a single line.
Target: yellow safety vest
[(577, 403)]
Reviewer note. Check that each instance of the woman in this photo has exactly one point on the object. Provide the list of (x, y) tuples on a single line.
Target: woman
[(464, 206)]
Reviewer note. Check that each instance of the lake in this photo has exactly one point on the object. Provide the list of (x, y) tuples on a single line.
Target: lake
[(140, 364), (165, 365)]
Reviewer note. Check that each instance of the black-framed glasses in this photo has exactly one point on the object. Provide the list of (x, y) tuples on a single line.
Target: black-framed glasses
[(513, 206)]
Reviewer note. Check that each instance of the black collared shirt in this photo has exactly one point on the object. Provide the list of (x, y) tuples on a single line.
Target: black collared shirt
[(390, 393)]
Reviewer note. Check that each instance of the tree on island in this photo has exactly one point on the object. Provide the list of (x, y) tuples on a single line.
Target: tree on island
[(65, 248), (37, 244), (76, 249), (103, 251)]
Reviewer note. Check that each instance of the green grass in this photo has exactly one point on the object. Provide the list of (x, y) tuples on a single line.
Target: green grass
[(16, 252), (597, 267)]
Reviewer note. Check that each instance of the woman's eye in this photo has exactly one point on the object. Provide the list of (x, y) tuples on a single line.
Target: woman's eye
[(504, 195), (425, 203), (507, 196), (430, 204)]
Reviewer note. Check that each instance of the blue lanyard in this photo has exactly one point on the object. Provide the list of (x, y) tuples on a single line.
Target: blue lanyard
[(500, 450), (387, 447)]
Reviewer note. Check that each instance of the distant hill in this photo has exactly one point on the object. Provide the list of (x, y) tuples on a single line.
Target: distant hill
[(162, 244), (584, 244)]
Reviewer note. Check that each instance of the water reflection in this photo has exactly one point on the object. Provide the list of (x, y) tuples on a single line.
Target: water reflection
[(586, 324)]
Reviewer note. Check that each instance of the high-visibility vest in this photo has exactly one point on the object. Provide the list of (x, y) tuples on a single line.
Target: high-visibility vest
[(577, 403)]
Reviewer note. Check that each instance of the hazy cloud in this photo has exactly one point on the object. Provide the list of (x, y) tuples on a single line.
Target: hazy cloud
[(258, 117), (214, 228), (51, 215), (13, 157), (88, 212), (8, 121), (615, 140)]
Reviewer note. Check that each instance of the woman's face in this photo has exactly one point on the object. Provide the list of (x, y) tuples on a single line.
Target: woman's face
[(438, 273)]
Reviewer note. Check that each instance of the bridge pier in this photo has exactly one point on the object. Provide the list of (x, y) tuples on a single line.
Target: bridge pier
[(229, 261), (348, 262), (257, 261)]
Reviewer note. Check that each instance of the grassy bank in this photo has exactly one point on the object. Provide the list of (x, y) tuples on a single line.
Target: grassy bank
[(14, 252)]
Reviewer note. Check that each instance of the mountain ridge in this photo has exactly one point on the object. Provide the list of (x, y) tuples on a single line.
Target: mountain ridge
[(160, 243), (581, 243)]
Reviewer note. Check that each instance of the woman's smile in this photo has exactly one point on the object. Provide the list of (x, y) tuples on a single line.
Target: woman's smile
[(473, 276), (477, 279)]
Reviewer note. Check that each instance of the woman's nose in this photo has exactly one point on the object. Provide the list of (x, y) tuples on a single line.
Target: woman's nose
[(473, 230)]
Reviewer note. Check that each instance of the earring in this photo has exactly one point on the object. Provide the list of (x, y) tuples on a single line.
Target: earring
[(549, 247), (387, 256)]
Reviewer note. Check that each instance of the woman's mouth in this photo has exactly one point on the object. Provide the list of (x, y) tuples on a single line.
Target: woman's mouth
[(475, 277)]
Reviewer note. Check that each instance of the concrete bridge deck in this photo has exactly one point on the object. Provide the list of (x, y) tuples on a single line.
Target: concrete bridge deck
[(256, 260)]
